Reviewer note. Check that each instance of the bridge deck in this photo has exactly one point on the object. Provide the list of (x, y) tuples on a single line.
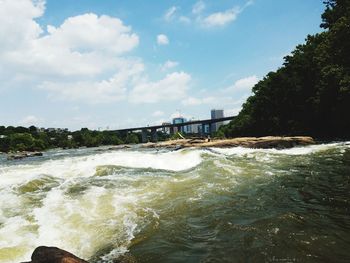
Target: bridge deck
[(207, 121)]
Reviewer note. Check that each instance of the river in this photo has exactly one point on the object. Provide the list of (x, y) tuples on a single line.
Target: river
[(190, 205)]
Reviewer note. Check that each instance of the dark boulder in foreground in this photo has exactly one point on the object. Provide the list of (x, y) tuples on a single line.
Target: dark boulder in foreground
[(54, 255)]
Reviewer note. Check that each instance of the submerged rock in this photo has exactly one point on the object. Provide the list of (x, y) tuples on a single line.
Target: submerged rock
[(53, 255), (112, 148), (21, 155)]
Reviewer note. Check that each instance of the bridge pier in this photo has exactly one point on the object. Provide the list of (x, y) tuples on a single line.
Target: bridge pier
[(210, 128), (154, 135), (171, 131), (144, 136)]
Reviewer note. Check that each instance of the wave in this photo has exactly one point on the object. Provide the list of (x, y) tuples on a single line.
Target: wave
[(85, 166), (301, 150), (99, 205), (60, 201)]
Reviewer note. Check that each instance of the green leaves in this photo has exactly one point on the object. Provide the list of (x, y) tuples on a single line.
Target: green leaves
[(310, 94), (14, 139)]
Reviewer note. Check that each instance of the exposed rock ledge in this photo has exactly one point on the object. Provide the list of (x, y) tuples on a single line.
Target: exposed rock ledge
[(53, 255), (21, 155), (249, 142)]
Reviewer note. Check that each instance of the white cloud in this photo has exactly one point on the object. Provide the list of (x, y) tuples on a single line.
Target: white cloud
[(158, 113), (192, 101), (89, 32), (198, 7), (90, 92), (184, 19), (233, 96), (83, 49), (169, 64), (232, 112), (170, 13), (17, 25), (209, 20), (250, 2), (30, 120), (172, 87), (78, 47), (221, 18), (246, 83), (103, 91), (162, 39), (241, 89), (83, 59)]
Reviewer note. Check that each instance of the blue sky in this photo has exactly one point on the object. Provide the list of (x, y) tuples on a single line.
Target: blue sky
[(116, 64)]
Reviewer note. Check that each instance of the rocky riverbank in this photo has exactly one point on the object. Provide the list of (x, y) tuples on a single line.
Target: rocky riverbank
[(21, 155), (278, 142)]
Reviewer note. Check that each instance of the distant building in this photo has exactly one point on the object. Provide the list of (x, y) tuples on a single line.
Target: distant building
[(179, 120), (58, 130), (216, 114), (193, 128), (70, 137)]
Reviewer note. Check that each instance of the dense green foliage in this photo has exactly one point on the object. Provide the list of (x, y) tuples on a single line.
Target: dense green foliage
[(310, 93), (33, 139)]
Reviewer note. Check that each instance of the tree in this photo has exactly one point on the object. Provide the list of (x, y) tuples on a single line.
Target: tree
[(132, 138), (21, 142), (310, 93)]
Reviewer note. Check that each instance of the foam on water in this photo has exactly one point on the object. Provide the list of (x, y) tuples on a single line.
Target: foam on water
[(52, 202), (71, 223), (64, 202), (70, 167), (303, 150), (83, 224)]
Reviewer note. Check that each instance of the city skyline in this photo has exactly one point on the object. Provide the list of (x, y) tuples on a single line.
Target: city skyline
[(173, 120), (106, 64)]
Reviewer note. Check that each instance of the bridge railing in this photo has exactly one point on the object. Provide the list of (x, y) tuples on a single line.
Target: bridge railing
[(206, 121)]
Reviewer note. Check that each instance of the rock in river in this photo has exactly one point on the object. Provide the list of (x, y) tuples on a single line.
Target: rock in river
[(21, 155), (53, 255)]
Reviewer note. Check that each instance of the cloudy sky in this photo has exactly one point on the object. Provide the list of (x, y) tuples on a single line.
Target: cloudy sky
[(117, 64)]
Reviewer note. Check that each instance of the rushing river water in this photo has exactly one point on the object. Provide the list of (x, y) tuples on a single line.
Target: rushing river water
[(191, 205)]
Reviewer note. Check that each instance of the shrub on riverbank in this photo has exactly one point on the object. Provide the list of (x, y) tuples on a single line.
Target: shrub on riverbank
[(14, 139), (310, 93)]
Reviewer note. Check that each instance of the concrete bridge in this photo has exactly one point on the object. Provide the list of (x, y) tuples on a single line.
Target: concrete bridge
[(144, 130)]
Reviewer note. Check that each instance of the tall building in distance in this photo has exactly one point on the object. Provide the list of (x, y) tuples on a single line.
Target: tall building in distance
[(179, 120), (216, 114)]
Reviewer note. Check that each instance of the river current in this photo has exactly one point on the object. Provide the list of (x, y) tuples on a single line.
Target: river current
[(190, 205)]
